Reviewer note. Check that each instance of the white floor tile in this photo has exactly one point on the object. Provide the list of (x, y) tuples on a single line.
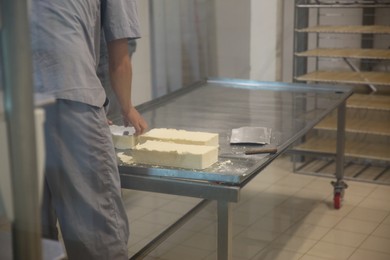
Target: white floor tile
[(307, 231), (259, 207), (145, 229), (137, 246), (383, 230), (350, 199), (322, 220), (154, 258), (307, 204), (248, 218), (331, 251), (298, 181), (287, 191), (367, 214), (136, 212), (201, 241), (357, 226), (264, 200), (362, 254), (344, 238), (380, 193), (271, 177), (312, 257), (326, 207), (150, 202), (186, 252), (197, 224), (276, 225), (378, 244), (314, 194), (257, 185), (211, 230), (375, 204), (294, 243), (247, 247), (387, 220), (177, 207), (188, 199), (275, 253), (321, 185), (161, 217), (287, 213), (356, 188), (259, 234)]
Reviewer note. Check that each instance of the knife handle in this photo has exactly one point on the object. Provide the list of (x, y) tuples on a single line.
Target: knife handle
[(262, 150)]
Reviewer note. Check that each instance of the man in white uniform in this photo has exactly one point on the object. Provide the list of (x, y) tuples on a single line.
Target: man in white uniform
[(82, 185)]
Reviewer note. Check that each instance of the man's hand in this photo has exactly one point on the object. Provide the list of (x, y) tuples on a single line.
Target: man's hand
[(132, 117), (120, 71)]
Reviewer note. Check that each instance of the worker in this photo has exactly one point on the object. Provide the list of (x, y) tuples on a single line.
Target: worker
[(82, 184)]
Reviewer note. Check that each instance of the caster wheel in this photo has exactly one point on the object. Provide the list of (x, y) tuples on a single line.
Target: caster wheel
[(337, 200)]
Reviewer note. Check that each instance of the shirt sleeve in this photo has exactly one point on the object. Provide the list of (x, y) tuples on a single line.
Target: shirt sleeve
[(120, 19)]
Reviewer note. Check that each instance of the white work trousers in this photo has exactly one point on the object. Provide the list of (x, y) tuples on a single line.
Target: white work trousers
[(82, 185)]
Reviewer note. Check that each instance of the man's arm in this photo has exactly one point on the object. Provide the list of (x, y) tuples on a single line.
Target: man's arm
[(120, 71)]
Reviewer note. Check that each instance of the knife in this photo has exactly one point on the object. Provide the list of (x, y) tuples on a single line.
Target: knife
[(244, 154), (261, 150)]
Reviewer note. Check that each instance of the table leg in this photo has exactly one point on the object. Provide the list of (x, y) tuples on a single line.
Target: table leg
[(224, 250)]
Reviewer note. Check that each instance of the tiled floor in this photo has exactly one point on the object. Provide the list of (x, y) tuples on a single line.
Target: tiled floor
[(281, 215)]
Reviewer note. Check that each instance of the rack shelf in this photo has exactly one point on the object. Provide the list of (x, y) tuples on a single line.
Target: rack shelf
[(343, 4), (353, 148), (360, 124), (378, 54), (362, 29), (348, 77), (371, 102)]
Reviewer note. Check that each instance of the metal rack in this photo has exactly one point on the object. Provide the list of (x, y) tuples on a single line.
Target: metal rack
[(350, 52)]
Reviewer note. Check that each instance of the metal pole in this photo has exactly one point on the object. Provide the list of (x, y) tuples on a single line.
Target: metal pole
[(279, 40), (341, 117), (19, 108), (301, 20)]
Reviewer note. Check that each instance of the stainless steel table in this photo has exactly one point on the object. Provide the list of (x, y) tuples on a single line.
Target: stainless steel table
[(219, 105)]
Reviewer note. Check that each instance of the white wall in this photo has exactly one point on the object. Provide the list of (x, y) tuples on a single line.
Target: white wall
[(232, 38), (246, 39), (142, 85), (263, 40), (245, 43)]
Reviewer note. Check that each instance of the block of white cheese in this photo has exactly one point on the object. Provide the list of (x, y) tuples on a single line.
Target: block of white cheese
[(175, 155), (123, 137), (180, 136)]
